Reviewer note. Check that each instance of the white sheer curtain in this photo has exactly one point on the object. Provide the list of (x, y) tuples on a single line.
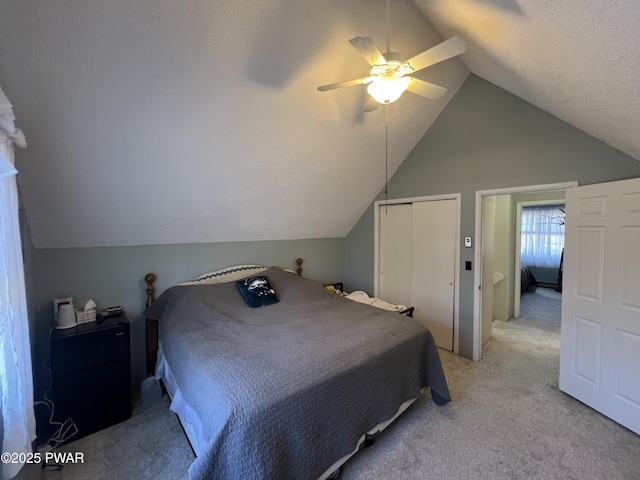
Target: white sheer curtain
[(16, 384), (542, 236)]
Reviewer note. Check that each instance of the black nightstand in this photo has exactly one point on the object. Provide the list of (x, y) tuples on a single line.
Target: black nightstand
[(91, 374)]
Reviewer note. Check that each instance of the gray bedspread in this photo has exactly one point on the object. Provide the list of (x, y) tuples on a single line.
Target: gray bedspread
[(285, 390)]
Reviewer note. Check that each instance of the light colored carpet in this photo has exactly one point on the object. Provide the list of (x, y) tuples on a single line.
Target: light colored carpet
[(150, 445), (507, 420)]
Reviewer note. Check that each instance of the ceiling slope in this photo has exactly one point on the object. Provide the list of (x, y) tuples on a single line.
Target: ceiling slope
[(199, 121), (576, 59)]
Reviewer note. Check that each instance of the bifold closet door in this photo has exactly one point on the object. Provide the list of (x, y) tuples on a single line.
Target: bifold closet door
[(417, 262), (433, 243), (395, 253)]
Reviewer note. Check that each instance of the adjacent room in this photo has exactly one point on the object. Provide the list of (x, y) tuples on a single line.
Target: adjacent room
[(342, 239)]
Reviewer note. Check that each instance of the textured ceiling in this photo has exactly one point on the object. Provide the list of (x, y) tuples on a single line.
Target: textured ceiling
[(199, 121), (187, 121), (576, 59)]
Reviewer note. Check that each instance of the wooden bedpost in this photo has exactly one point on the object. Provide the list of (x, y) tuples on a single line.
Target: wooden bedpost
[(150, 278), (151, 327), (299, 269)]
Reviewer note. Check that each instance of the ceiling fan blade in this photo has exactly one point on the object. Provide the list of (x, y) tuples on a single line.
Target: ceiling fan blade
[(426, 89), (346, 83), (368, 49), (447, 49), (371, 104)]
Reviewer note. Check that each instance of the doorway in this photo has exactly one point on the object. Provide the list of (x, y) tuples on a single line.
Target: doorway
[(484, 279), (516, 225)]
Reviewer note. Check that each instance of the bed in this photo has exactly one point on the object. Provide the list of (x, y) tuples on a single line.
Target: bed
[(528, 282), (289, 390)]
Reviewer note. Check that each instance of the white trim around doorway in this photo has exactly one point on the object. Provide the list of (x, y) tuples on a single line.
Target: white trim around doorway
[(477, 276)]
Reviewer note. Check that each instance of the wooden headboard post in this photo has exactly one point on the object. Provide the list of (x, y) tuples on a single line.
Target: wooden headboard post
[(299, 269), (150, 278), (151, 327)]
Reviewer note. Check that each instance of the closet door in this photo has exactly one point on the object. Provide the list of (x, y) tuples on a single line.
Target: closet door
[(417, 251), (395, 253), (433, 243)]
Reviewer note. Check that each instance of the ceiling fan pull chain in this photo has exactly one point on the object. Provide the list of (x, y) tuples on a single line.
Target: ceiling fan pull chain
[(386, 156)]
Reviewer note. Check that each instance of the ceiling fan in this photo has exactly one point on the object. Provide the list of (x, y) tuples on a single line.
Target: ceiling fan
[(390, 74)]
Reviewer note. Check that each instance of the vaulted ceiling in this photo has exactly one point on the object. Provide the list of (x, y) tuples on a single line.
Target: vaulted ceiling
[(199, 121), (576, 59)]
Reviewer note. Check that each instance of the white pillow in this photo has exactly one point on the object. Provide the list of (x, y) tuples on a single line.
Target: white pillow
[(229, 274)]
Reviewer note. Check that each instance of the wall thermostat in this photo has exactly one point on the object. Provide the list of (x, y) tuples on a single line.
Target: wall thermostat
[(467, 242)]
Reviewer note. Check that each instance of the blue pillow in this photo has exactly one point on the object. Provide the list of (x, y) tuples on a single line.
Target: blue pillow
[(257, 291)]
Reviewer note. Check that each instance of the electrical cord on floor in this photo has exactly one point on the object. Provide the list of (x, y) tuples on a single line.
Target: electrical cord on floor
[(66, 429)]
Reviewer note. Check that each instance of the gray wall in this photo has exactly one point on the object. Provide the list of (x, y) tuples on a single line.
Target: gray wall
[(114, 276), (486, 138)]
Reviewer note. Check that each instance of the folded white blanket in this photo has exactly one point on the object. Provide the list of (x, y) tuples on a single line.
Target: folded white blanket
[(362, 297)]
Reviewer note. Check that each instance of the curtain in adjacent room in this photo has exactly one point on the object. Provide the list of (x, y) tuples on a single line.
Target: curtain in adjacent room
[(542, 236), (16, 385)]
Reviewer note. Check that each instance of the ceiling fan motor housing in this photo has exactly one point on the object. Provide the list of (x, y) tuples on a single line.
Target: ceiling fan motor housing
[(393, 57), (390, 74)]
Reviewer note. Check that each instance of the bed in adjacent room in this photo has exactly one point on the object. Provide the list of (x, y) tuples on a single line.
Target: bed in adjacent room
[(528, 282), (290, 389)]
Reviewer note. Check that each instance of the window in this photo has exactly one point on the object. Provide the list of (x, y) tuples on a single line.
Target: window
[(542, 238)]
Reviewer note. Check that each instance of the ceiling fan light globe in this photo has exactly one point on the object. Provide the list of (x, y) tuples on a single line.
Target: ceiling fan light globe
[(387, 89)]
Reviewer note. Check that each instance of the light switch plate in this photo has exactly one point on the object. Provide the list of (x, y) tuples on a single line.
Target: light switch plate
[(467, 242)]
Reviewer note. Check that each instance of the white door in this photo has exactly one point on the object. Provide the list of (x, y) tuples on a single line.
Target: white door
[(395, 253), (600, 330), (417, 252), (433, 267)]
